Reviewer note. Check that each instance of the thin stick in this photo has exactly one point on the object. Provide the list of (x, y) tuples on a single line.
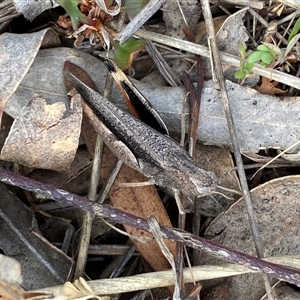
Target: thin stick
[(277, 156), (88, 217), (233, 136), (116, 215), (150, 9)]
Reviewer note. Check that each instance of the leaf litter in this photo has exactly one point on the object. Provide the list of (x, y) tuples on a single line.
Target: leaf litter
[(262, 121)]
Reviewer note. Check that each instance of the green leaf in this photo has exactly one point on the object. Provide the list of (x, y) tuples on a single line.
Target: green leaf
[(255, 56), (295, 29), (273, 48), (263, 64), (124, 52), (240, 75), (249, 66), (71, 7), (263, 48), (242, 50), (267, 57)]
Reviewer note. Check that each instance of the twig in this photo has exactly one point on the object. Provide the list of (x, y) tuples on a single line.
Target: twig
[(139, 20), (256, 4), (162, 65), (88, 218), (111, 213), (155, 229), (233, 136)]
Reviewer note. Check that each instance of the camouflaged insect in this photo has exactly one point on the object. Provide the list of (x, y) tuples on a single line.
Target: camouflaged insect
[(143, 148)]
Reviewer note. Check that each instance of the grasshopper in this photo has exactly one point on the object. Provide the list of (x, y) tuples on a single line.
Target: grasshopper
[(141, 147)]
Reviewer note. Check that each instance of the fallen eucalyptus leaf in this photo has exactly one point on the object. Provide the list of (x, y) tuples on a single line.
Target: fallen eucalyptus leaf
[(17, 52), (262, 121), (20, 239), (276, 207)]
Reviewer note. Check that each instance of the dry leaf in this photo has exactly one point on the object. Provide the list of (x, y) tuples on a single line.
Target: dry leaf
[(140, 201), (173, 18), (37, 296), (276, 205), (10, 291), (292, 3), (254, 118), (200, 31), (219, 161), (48, 137), (10, 270), (80, 290), (42, 263), (269, 88), (14, 64)]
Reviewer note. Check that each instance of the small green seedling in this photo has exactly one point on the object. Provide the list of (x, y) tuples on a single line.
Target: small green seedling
[(245, 66), (265, 55)]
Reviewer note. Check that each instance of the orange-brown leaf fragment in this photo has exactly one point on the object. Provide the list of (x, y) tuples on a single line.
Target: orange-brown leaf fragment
[(10, 291), (269, 88), (45, 136), (143, 202)]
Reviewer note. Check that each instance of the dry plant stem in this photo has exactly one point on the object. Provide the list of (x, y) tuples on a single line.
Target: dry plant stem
[(266, 25), (7, 11), (155, 229), (277, 156), (105, 189), (225, 57), (150, 9), (162, 65), (179, 262), (110, 181), (289, 17), (111, 213), (164, 278), (88, 217), (257, 4), (122, 263), (111, 250), (233, 136)]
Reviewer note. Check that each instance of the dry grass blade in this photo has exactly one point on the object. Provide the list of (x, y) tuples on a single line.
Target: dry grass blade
[(166, 278), (225, 57)]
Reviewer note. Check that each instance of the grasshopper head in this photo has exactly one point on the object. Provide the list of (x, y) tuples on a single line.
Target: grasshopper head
[(204, 184)]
